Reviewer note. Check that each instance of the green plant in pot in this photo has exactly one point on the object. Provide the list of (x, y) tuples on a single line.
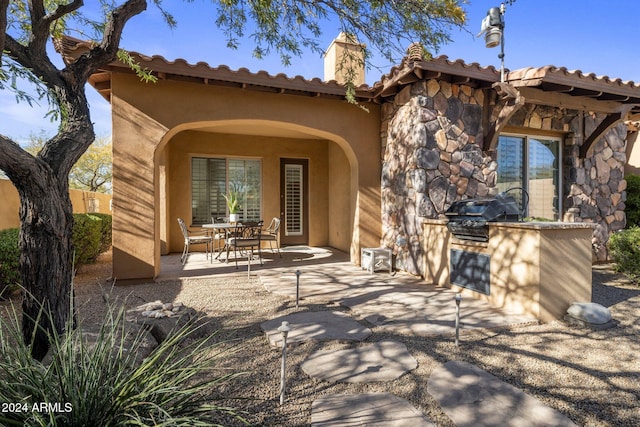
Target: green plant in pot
[(234, 206)]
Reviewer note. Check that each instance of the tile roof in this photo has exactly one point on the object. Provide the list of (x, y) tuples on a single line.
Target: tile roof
[(441, 67), (548, 78), (577, 83)]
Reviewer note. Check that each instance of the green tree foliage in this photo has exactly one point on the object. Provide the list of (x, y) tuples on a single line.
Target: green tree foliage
[(285, 27), (92, 172)]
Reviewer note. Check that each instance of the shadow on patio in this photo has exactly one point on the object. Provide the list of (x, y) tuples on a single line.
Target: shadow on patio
[(293, 258), (396, 302)]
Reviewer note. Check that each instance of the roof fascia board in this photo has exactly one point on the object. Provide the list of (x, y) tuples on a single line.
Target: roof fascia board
[(581, 103), (589, 82)]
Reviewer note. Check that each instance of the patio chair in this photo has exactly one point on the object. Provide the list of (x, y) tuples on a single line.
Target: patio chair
[(271, 234), (193, 238), (245, 238)]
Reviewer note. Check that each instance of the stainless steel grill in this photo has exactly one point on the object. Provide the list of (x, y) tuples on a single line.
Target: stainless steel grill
[(469, 219)]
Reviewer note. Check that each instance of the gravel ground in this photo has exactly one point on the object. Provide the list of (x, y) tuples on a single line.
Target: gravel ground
[(591, 376)]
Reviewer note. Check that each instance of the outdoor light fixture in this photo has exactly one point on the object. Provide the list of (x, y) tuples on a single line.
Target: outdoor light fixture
[(493, 30)]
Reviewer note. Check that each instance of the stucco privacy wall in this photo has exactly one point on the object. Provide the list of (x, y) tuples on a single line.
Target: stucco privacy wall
[(432, 156), (82, 202), (143, 200)]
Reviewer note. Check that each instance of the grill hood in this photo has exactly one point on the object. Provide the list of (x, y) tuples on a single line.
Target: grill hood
[(468, 219)]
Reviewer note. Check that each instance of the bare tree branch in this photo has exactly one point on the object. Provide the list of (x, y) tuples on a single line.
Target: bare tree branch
[(107, 50), (14, 161)]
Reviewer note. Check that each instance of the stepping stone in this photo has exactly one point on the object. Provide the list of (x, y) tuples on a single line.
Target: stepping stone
[(472, 397), (371, 409), (428, 312), (381, 361), (315, 326)]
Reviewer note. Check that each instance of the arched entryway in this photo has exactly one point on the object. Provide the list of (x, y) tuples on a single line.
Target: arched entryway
[(196, 162)]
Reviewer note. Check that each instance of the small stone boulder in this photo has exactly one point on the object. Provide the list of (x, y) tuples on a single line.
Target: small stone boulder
[(589, 314), (161, 319)]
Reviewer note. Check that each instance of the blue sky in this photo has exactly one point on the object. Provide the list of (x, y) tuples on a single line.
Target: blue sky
[(593, 36)]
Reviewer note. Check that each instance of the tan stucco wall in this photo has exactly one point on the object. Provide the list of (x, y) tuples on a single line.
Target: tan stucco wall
[(537, 269), (149, 118), (269, 150), (633, 154), (10, 205)]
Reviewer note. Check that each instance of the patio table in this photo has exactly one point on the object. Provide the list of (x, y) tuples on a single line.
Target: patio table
[(223, 227)]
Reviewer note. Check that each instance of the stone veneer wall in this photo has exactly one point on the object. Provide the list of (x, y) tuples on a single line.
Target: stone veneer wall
[(430, 159), (594, 189), (432, 156)]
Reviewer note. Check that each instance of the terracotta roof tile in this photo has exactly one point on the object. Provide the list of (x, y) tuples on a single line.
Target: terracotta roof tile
[(548, 78)]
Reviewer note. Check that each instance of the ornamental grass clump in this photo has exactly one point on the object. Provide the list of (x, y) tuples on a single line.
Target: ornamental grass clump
[(104, 381)]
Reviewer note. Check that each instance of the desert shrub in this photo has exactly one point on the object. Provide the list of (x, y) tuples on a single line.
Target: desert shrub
[(624, 247), (9, 260), (106, 230), (105, 383), (632, 204), (87, 237), (91, 237)]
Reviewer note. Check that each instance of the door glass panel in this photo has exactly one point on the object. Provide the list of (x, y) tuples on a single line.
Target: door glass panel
[(543, 178), (293, 195), (510, 161), (531, 163)]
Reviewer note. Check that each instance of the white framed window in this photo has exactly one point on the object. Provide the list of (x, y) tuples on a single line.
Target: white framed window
[(212, 178), (532, 163)]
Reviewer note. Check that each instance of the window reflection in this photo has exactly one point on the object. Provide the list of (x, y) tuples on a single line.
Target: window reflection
[(537, 159)]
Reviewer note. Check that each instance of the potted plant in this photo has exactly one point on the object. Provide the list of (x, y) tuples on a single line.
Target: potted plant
[(234, 206)]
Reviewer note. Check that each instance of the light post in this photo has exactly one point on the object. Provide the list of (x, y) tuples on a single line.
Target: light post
[(298, 273), (493, 30), (458, 299), (284, 330)]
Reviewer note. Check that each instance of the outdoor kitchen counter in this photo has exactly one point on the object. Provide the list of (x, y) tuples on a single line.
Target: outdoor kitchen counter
[(534, 268)]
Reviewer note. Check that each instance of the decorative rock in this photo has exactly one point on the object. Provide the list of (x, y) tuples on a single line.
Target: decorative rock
[(589, 314), (160, 321)]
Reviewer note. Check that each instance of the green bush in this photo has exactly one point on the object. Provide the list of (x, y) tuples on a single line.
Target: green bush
[(104, 380), (632, 205), (106, 233), (87, 237), (91, 237), (624, 247), (9, 261)]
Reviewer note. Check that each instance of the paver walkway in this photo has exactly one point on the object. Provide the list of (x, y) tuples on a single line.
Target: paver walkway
[(403, 304), (379, 361), (315, 326), (369, 409), (472, 397)]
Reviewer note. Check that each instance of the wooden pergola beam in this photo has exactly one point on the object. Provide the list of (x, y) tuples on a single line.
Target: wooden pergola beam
[(510, 101), (609, 121)]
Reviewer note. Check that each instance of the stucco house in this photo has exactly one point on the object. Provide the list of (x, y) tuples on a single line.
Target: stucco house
[(431, 132)]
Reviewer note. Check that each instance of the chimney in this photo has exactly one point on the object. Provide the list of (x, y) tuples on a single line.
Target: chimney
[(344, 56)]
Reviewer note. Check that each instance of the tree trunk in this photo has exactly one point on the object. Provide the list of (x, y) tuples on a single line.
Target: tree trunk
[(46, 260)]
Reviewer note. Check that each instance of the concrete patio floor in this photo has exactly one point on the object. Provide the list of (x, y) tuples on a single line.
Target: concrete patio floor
[(399, 302)]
